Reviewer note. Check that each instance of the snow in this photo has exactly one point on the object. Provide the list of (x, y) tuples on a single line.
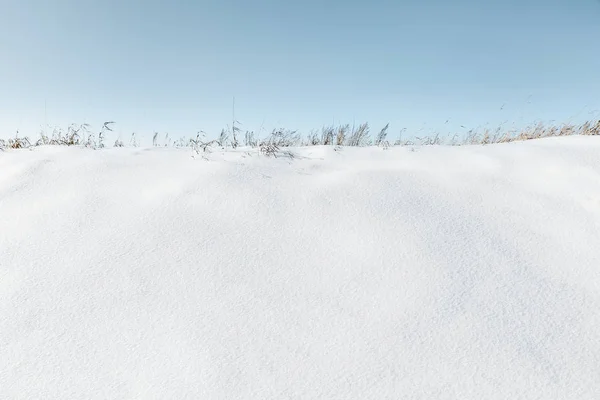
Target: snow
[(361, 273)]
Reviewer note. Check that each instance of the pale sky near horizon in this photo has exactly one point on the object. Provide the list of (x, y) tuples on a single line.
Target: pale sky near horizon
[(174, 66)]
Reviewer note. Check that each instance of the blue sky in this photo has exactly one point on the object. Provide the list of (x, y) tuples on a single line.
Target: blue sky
[(174, 66)]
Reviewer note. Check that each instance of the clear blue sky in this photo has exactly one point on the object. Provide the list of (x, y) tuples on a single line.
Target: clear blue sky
[(176, 65)]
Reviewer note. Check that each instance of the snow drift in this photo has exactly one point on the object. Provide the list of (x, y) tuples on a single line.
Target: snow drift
[(360, 273)]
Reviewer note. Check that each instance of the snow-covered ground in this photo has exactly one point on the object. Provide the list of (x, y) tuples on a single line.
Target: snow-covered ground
[(408, 273)]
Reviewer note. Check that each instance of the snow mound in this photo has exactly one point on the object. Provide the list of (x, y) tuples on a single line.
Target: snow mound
[(356, 273)]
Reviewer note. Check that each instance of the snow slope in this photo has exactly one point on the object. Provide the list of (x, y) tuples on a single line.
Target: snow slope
[(408, 273)]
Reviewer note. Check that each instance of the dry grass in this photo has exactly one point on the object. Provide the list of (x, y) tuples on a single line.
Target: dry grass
[(537, 131), (15, 143), (271, 145)]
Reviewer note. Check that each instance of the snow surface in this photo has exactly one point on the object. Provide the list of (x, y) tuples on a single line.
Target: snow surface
[(408, 273)]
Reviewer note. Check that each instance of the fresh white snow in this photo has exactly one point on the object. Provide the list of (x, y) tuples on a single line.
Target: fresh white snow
[(408, 273)]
